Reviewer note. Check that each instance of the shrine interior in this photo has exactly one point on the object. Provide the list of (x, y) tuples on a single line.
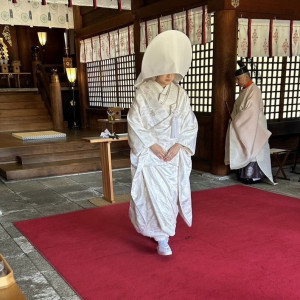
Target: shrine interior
[(67, 74)]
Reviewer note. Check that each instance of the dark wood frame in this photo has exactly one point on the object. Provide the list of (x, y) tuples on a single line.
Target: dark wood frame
[(212, 129)]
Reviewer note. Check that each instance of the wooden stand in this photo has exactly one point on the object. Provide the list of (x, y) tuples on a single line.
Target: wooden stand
[(15, 76), (106, 166), (296, 158), (114, 126), (277, 153)]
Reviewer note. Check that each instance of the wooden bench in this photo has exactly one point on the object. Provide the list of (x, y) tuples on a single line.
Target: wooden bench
[(285, 135), (280, 156)]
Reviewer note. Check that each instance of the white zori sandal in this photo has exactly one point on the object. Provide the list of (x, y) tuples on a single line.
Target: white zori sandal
[(163, 247)]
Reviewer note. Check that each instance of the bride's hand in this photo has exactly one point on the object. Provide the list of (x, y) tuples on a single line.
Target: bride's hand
[(158, 151), (172, 152)]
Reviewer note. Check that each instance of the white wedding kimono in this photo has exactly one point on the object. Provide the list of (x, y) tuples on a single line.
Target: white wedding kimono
[(160, 189), (247, 134)]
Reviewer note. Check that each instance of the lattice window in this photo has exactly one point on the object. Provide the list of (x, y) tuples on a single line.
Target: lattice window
[(108, 82), (291, 102), (198, 81), (111, 82), (126, 79), (279, 81), (93, 79), (266, 72)]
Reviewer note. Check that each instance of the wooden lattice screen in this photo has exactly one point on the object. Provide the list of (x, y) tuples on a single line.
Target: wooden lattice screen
[(198, 81), (278, 79), (111, 82)]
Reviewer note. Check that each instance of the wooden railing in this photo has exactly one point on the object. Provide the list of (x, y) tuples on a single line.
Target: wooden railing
[(43, 85), (47, 79)]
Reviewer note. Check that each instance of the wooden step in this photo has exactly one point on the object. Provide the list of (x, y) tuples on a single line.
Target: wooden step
[(24, 112), (47, 125), (54, 157), (58, 156), (15, 171), (22, 105), (52, 146), (42, 147), (19, 97), (25, 119)]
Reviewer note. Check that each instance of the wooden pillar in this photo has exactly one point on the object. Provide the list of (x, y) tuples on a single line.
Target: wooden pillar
[(138, 54), (136, 29), (56, 102), (23, 47), (81, 70), (225, 54), (35, 64)]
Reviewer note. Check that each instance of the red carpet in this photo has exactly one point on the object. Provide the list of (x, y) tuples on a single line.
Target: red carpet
[(244, 244)]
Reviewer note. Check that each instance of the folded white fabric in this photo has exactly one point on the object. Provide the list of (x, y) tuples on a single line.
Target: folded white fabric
[(105, 134)]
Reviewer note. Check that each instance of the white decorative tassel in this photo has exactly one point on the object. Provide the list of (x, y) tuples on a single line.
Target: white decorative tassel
[(175, 125)]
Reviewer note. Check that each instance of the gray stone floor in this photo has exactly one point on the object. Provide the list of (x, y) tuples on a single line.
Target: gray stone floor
[(28, 199)]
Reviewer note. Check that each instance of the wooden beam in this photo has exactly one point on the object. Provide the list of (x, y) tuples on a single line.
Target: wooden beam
[(286, 10), (215, 5), (136, 4), (138, 54), (225, 53), (276, 7), (165, 7), (23, 39), (106, 25), (77, 18), (81, 70)]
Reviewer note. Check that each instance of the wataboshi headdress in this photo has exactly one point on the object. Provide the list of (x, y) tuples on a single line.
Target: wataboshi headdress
[(170, 52)]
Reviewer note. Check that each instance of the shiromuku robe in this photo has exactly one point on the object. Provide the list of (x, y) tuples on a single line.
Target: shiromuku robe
[(247, 134), (160, 189)]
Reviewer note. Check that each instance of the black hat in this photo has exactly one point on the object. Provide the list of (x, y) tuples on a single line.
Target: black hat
[(243, 69)]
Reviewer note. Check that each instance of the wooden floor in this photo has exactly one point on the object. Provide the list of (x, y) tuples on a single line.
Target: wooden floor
[(51, 157), (7, 140)]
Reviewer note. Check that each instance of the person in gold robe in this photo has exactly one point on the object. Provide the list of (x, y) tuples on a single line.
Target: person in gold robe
[(162, 131)]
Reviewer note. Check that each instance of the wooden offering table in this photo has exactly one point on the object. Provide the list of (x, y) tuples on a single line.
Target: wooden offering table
[(16, 77), (106, 165), (113, 126)]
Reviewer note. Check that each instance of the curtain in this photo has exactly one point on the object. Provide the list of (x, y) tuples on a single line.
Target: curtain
[(295, 37), (109, 45), (33, 13), (116, 4), (195, 23), (268, 38)]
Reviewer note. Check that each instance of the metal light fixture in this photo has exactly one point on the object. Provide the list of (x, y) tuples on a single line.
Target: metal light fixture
[(42, 38), (71, 74)]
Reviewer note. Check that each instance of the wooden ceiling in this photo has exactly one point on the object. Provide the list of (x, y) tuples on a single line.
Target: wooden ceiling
[(103, 19)]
